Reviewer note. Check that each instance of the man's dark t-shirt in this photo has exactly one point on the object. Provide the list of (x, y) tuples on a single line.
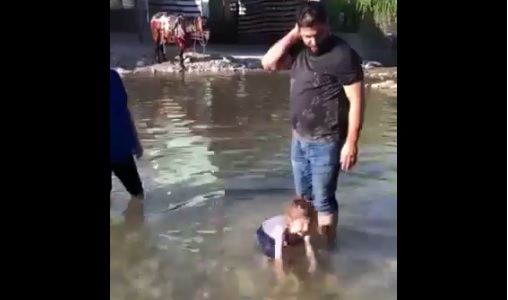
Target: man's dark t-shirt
[(318, 104)]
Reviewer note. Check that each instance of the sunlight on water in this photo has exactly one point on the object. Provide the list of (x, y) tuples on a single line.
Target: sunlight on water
[(216, 165)]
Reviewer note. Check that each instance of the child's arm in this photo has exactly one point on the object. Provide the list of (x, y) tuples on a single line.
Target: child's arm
[(278, 264), (311, 256)]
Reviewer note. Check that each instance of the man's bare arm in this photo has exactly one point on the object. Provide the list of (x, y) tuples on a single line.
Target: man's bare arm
[(276, 57), (356, 96)]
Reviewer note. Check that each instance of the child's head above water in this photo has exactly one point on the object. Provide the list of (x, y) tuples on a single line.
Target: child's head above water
[(299, 214), (300, 207)]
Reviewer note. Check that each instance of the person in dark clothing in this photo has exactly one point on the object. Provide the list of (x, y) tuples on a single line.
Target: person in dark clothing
[(326, 108), (123, 139)]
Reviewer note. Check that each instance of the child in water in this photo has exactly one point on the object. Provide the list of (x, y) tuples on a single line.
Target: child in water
[(279, 236)]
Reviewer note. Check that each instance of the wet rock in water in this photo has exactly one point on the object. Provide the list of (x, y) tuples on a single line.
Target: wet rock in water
[(121, 71), (142, 62), (371, 64), (388, 87), (385, 80), (389, 84), (228, 59), (381, 73)]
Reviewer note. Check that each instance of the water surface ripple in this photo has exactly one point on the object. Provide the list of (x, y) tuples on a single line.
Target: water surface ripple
[(217, 164)]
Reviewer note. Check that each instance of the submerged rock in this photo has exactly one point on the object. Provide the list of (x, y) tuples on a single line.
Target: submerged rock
[(388, 87), (388, 84), (383, 80), (121, 71), (371, 64)]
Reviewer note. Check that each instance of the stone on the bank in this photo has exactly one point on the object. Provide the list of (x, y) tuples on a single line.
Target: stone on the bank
[(122, 71), (389, 84), (388, 87), (195, 63)]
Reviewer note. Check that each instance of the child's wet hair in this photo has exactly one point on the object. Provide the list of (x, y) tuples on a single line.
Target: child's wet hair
[(304, 204), (299, 207)]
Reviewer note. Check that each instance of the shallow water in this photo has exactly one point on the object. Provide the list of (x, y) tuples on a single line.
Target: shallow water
[(216, 165)]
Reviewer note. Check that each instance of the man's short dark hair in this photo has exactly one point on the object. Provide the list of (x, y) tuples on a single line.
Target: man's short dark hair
[(310, 14)]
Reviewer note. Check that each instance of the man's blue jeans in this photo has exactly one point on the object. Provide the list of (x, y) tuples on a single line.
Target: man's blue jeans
[(316, 167)]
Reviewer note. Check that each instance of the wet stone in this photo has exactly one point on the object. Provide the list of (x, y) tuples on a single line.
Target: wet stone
[(194, 63)]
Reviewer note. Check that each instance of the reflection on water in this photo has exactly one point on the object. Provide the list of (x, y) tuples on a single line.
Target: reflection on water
[(216, 165)]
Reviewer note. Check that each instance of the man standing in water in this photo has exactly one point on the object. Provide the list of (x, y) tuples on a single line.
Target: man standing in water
[(326, 107), (123, 139)]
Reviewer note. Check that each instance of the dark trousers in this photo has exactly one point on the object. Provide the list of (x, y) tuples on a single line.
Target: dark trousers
[(316, 167), (127, 172), (265, 242)]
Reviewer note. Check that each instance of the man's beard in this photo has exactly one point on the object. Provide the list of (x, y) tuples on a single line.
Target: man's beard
[(322, 45)]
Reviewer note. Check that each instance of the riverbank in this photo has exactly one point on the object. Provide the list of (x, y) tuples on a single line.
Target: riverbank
[(138, 58), (382, 79), (202, 63)]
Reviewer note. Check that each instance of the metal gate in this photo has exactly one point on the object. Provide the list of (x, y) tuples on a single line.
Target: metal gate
[(266, 19), (123, 16), (192, 8)]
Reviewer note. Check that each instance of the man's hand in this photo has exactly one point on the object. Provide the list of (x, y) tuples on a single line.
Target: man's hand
[(348, 155), (295, 32), (276, 57)]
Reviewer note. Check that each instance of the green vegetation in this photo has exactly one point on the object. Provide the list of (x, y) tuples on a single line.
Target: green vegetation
[(380, 9), (345, 15)]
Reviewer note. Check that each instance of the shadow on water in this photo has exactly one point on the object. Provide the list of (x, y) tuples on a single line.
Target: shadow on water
[(216, 165)]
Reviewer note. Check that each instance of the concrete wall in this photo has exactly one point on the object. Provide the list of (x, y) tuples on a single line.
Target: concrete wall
[(371, 48), (123, 20), (375, 42)]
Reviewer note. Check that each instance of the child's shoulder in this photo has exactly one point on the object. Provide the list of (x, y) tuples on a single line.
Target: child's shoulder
[(275, 225), (274, 222)]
